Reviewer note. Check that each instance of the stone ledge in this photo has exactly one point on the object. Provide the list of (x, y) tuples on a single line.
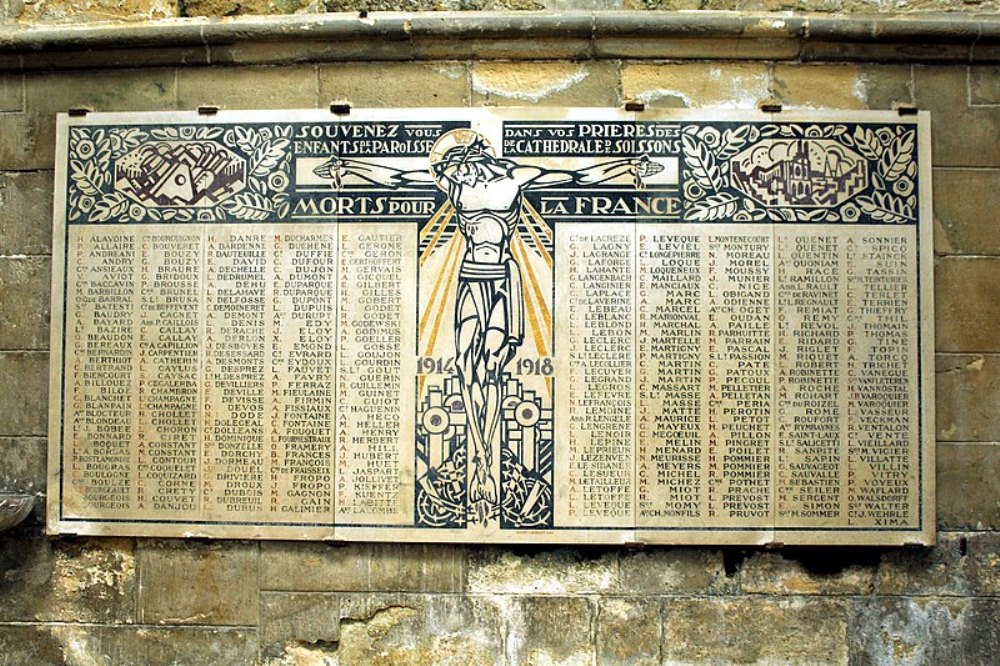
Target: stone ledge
[(931, 37)]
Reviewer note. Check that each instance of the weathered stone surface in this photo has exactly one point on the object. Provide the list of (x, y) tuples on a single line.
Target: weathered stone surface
[(25, 143), (783, 573), (131, 646), (25, 410), (561, 571), (361, 567), (66, 580), (26, 212), (944, 92), (297, 620), (959, 565), (967, 304), (290, 87), (550, 630), (628, 630), (924, 631), (101, 90), (967, 393), (379, 85), (43, 11), (188, 582), (11, 92), (754, 630), (690, 85), (674, 571), (841, 86), (964, 200), (419, 629), (233, 8), (984, 84), (968, 487), (25, 288), (552, 83), (22, 464)]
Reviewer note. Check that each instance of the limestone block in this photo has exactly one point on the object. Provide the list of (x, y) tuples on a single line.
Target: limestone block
[(968, 487), (628, 630), (97, 644), (967, 304), (11, 92), (26, 142), (291, 87), (546, 571), (806, 571), (841, 86), (924, 631), (754, 630), (25, 289), (675, 571), (24, 410), (692, 85), (964, 205), (25, 212), (66, 580), (984, 84), (48, 93), (419, 629), (379, 85), (551, 630), (22, 464), (189, 582), (550, 83), (361, 567), (297, 620), (968, 391), (959, 565), (962, 136)]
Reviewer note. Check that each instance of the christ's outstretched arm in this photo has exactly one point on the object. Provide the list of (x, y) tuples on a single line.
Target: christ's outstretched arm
[(336, 168), (533, 177)]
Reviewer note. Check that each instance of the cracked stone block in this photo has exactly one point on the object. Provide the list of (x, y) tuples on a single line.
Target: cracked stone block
[(25, 410), (693, 85), (674, 571), (289, 87), (294, 620), (754, 630), (967, 393), (964, 201), (825, 573), (943, 91), (550, 83), (390, 84), (419, 629), (25, 290), (190, 582), (968, 487), (66, 580), (959, 565), (550, 630), (924, 631), (967, 307), (541, 571), (841, 86), (628, 631), (26, 212)]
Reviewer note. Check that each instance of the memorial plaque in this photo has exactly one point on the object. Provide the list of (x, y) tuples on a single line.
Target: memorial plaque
[(482, 325)]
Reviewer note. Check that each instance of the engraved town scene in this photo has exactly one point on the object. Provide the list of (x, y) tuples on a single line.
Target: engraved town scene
[(486, 325)]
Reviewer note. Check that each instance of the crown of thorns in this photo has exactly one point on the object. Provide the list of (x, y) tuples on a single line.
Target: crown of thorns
[(461, 154)]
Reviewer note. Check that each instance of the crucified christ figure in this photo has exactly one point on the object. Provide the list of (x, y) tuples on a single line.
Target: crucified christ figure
[(486, 192)]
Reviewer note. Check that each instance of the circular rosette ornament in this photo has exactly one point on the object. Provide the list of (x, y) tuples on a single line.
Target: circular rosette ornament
[(850, 212), (459, 154)]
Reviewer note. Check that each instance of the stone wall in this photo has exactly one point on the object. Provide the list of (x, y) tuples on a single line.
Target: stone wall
[(144, 601)]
